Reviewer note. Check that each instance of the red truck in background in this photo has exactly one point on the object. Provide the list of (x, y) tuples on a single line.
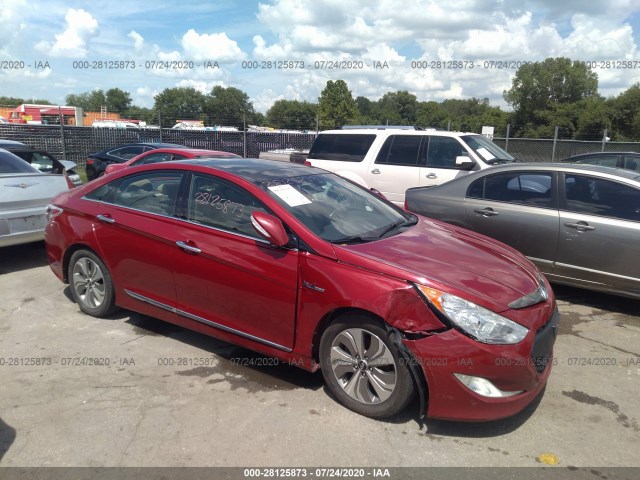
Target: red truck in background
[(33, 114)]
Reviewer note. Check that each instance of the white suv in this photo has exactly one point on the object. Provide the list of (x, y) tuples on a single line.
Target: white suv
[(393, 159)]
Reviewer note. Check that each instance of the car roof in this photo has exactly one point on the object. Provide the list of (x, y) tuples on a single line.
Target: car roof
[(565, 167), (139, 144), (400, 131), (600, 154), (255, 170), (11, 143), (197, 151)]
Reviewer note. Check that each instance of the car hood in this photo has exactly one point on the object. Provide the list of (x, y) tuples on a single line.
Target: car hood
[(450, 258)]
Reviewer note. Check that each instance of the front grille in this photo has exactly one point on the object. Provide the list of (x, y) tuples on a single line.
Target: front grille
[(543, 344)]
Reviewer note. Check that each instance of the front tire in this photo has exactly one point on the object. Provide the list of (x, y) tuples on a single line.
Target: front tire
[(363, 369), (91, 284)]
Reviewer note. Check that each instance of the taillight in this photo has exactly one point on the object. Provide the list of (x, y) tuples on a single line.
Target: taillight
[(89, 161), (52, 212), (308, 163), (69, 182), (405, 204)]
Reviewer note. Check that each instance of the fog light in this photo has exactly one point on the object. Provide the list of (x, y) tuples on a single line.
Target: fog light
[(483, 387)]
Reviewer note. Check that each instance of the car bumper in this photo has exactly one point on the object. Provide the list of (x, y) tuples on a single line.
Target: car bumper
[(22, 226), (510, 368)]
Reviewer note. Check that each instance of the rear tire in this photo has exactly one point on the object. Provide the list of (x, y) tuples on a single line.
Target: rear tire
[(91, 284), (363, 369)]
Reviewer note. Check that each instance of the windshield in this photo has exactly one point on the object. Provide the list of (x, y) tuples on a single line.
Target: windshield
[(337, 210), (487, 150)]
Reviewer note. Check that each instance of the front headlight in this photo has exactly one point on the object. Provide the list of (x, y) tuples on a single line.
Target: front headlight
[(478, 322)]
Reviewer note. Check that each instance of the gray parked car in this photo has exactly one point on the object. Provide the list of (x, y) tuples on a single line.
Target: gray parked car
[(580, 224), (24, 195)]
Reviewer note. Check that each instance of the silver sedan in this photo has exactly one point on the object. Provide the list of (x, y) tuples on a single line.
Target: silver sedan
[(580, 224), (24, 195)]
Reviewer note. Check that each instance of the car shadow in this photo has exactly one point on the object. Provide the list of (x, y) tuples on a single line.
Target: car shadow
[(240, 366), (7, 437), (599, 300), (22, 257), (451, 428)]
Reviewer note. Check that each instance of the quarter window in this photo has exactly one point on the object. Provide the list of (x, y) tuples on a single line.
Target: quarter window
[(346, 148), (216, 203), (596, 196), (400, 150)]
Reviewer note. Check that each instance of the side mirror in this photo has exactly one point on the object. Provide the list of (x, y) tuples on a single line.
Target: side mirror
[(270, 228), (464, 163)]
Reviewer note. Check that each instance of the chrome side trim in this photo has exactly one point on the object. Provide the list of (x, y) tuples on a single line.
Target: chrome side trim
[(150, 301), (190, 316)]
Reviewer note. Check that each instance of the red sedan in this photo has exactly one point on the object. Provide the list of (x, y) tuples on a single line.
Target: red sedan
[(307, 267), (166, 155)]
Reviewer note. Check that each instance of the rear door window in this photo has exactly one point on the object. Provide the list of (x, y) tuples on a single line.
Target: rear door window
[(520, 188), (153, 192), (400, 150)]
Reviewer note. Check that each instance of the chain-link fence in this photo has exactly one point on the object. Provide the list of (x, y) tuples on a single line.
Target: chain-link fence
[(76, 143), (546, 150)]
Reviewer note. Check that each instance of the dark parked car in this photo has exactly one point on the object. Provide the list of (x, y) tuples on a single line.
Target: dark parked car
[(168, 155), (43, 161), (628, 160), (307, 267), (580, 224), (97, 162)]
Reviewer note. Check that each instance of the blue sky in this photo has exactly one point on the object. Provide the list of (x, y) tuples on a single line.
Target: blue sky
[(309, 34)]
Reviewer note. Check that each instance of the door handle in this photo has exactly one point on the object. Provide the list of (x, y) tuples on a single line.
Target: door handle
[(375, 171), (188, 248), (431, 175), (581, 226), (487, 212), (105, 218)]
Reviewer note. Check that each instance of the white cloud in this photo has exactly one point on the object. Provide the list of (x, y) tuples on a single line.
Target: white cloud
[(200, 86), (72, 42), (215, 46), (138, 40)]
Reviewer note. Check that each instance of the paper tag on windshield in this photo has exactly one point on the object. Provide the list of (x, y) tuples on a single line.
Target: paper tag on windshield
[(486, 154), (290, 195)]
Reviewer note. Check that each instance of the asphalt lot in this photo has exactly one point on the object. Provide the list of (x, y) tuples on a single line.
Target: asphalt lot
[(160, 395)]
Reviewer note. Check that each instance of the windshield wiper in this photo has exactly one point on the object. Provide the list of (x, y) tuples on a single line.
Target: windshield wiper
[(353, 239), (400, 223), (496, 161)]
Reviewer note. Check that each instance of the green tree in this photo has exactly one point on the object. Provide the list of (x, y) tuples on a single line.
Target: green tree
[(230, 107), (16, 101), (336, 106), (369, 111), (292, 114), (398, 108), (117, 100), (540, 89), (625, 120), (431, 114), (179, 103), (89, 101)]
